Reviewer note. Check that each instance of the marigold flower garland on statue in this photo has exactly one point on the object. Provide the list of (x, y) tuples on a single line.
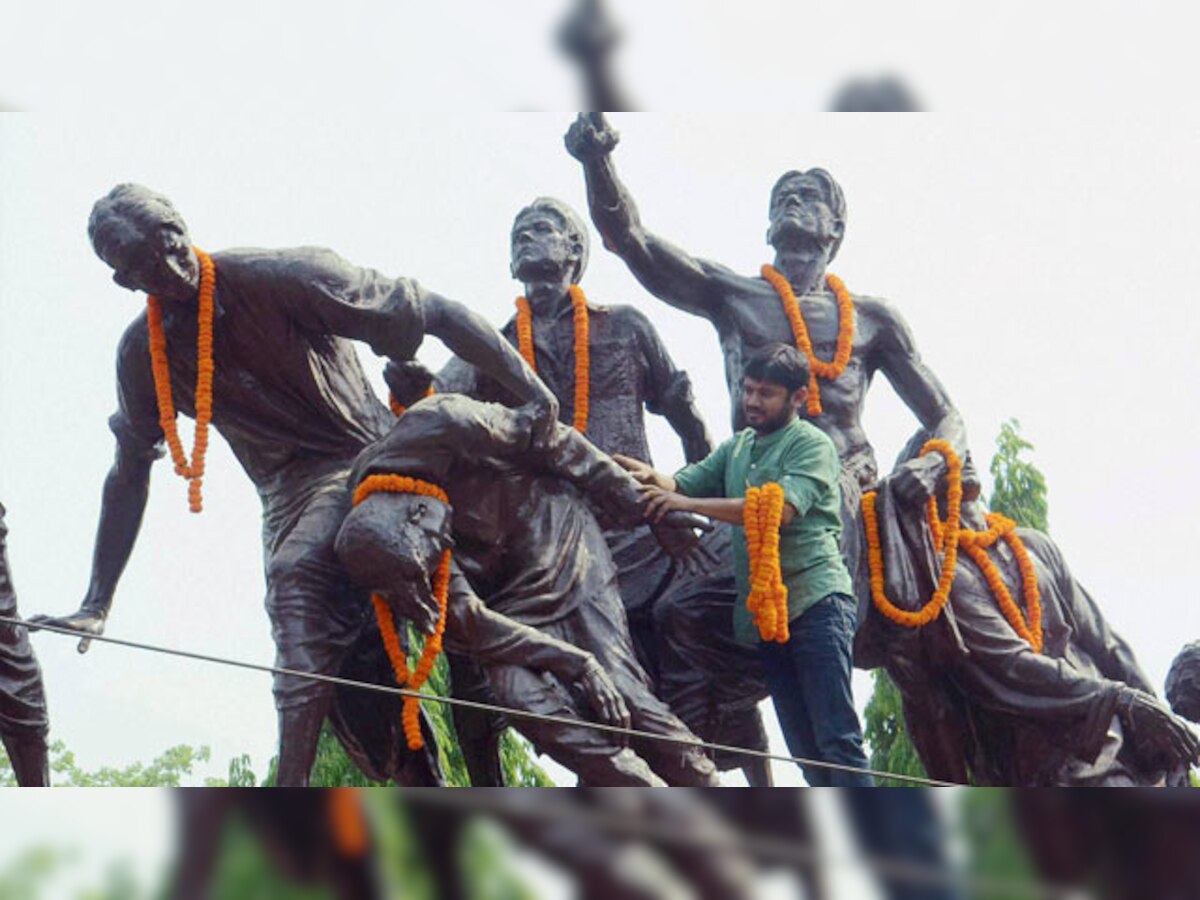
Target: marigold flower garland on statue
[(948, 537), (348, 822), (817, 367), (950, 531), (582, 349), (767, 601), (976, 544), (193, 472), (400, 484)]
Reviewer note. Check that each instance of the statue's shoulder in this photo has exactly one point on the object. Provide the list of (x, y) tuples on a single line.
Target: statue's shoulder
[(277, 263), (878, 309)]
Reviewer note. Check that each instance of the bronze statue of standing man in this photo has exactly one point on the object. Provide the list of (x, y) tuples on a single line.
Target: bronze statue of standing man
[(272, 332)]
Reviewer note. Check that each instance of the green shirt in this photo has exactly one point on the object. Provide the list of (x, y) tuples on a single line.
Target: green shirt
[(803, 461)]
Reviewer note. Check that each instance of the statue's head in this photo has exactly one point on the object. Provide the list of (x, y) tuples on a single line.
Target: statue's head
[(549, 239), (392, 543), (808, 212), (1183, 683), (144, 240)]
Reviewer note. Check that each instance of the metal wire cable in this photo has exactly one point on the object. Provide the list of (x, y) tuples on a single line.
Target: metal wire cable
[(475, 704)]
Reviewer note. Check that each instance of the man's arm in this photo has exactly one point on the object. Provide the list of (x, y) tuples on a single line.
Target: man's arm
[(664, 270), (923, 393), (669, 391)]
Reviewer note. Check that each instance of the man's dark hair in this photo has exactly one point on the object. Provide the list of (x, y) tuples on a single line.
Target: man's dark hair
[(779, 364), (131, 205)]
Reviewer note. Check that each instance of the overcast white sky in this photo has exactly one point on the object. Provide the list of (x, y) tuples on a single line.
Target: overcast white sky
[(1046, 264)]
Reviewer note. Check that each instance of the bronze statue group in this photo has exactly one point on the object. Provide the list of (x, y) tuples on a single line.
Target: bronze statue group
[(508, 509)]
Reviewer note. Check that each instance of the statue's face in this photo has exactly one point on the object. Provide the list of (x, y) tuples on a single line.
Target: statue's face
[(542, 247), (800, 215), (160, 262), (418, 540)]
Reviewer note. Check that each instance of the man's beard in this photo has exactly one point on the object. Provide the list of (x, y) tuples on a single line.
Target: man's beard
[(770, 426)]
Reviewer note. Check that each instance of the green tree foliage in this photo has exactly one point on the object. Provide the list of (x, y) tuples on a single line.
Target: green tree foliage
[(883, 729), (172, 768), (1018, 488), (1019, 492)]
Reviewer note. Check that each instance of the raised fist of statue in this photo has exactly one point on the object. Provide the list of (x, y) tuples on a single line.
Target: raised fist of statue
[(86, 620), (591, 137), (587, 33), (1161, 739), (604, 697), (408, 381)]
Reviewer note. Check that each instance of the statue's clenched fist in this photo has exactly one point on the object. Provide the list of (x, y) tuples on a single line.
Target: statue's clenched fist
[(591, 137)]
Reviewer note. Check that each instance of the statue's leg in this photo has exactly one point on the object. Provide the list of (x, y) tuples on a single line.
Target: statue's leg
[(314, 618), (594, 756), (599, 627), (478, 731), (30, 762), (707, 679)]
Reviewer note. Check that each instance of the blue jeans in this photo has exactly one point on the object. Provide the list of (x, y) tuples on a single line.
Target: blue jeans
[(809, 680)]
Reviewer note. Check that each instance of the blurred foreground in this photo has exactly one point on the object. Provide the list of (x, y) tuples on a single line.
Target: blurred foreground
[(524, 843)]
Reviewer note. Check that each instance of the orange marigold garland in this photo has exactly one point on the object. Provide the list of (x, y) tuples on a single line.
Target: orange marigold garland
[(582, 350), (948, 538), (348, 822), (192, 471), (845, 339), (411, 716), (949, 546), (767, 601), (976, 543)]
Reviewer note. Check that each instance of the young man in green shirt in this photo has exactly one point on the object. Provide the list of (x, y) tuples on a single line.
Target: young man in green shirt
[(809, 675)]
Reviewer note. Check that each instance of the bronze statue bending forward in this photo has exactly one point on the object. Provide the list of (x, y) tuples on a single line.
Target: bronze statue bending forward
[(679, 617), (290, 397), (1080, 712), (527, 548)]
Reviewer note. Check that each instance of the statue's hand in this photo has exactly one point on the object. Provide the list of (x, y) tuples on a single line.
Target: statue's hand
[(677, 533), (606, 700), (1160, 737), (408, 381), (916, 480), (86, 621), (590, 137), (541, 417)]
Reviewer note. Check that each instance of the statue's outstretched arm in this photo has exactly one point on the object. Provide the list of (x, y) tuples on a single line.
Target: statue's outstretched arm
[(472, 337), (666, 271)]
